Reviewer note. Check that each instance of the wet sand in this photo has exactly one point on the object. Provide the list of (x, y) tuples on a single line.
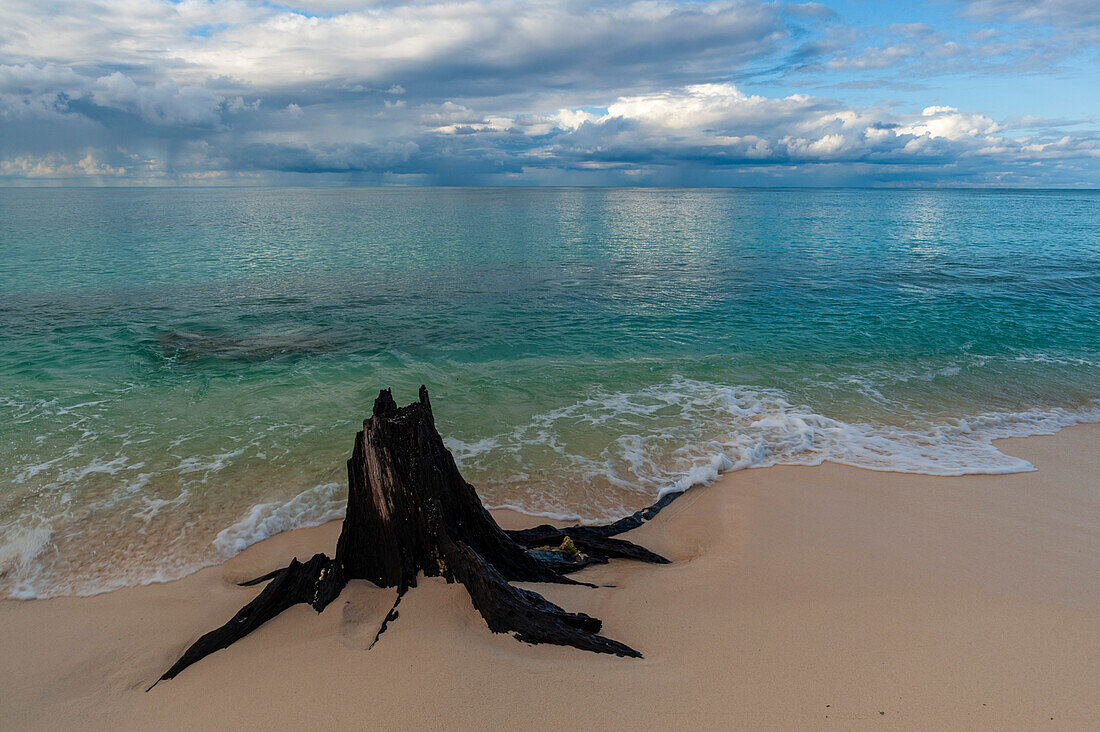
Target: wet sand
[(822, 596)]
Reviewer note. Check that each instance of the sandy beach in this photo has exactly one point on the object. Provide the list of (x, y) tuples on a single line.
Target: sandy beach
[(798, 597)]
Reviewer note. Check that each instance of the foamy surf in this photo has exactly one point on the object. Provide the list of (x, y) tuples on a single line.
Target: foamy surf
[(699, 430), (311, 507), (593, 460)]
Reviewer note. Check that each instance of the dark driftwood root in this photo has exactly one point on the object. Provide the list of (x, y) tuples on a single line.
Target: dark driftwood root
[(410, 512)]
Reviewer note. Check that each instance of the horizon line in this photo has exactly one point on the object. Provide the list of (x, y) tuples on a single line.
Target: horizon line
[(397, 186)]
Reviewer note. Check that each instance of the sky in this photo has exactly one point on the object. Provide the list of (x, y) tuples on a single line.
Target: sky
[(483, 92)]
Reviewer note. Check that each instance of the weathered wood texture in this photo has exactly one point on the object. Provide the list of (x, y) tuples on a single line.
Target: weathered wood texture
[(409, 513)]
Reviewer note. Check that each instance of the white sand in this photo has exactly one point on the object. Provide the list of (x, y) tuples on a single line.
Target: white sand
[(799, 597)]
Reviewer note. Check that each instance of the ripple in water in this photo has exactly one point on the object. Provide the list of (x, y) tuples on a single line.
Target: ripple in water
[(172, 391)]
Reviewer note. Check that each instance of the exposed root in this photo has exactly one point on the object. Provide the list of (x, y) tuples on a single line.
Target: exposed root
[(410, 512)]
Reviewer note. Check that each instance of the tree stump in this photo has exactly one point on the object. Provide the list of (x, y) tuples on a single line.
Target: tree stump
[(410, 512)]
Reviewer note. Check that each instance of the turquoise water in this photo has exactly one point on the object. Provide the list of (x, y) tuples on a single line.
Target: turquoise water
[(182, 371)]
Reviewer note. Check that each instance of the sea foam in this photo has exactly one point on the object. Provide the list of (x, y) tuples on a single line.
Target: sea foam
[(685, 432), (661, 439), (311, 507), (758, 428)]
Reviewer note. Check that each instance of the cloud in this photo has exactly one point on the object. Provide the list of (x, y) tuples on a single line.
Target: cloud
[(811, 10), (718, 125), (1052, 12), (987, 37), (1075, 23), (163, 103), (58, 167), (323, 158), (488, 91), (29, 91), (874, 58), (50, 91), (949, 123), (706, 132), (451, 42)]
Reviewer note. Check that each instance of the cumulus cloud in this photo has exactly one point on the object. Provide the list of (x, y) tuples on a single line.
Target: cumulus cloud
[(491, 91), (719, 125), (50, 90), (162, 103), (58, 167), (33, 91), (948, 122)]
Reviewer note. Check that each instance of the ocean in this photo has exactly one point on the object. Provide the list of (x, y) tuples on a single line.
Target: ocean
[(182, 371)]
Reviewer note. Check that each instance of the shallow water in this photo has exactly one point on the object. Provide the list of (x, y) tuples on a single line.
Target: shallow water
[(182, 371)]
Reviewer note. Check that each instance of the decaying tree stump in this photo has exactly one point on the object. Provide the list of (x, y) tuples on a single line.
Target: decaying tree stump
[(410, 512)]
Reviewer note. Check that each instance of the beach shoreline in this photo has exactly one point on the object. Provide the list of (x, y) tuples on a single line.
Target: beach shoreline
[(797, 596)]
